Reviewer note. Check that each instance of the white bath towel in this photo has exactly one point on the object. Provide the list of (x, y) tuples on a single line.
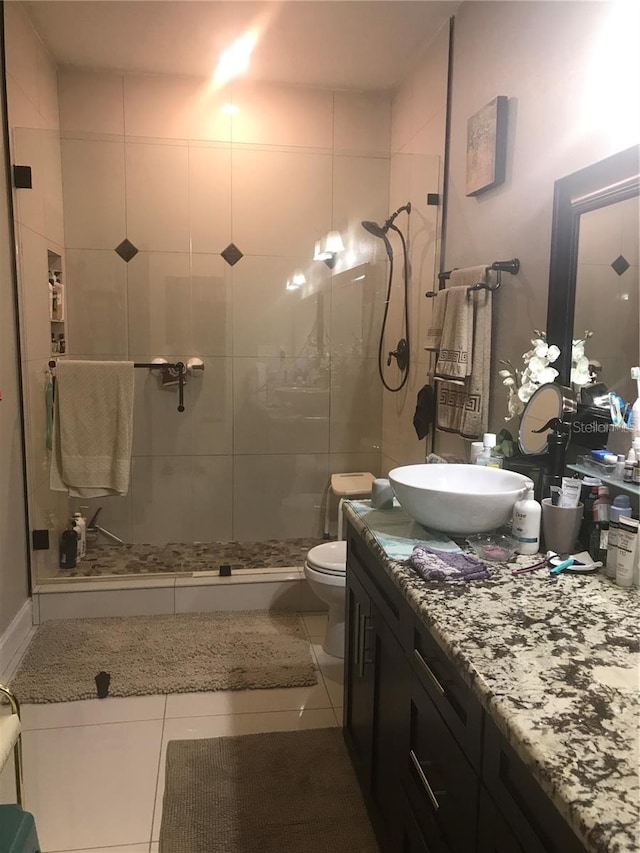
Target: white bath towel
[(463, 405), (456, 345), (93, 428)]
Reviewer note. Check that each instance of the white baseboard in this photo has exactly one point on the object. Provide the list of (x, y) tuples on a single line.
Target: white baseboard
[(15, 635)]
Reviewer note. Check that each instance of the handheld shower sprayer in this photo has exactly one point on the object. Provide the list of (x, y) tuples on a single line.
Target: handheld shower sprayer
[(401, 352)]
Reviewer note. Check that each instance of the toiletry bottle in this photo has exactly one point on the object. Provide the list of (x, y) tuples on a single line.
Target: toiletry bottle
[(621, 506), (635, 410), (474, 451), (80, 526), (627, 565), (629, 465), (68, 549), (635, 474), (599, 539), (588, 495), (527, 514), (619, 472), (489, 456)]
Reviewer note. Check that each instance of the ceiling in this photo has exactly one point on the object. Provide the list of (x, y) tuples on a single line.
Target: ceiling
[(353, 44)]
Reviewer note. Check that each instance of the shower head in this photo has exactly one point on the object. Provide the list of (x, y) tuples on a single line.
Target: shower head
[(381, 230), (374, 228)]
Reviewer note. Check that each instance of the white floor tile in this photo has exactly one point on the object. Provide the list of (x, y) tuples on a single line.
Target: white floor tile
[(92, 786), (332, 670), (315, 625), (248, 701), (91, 712), (186, 728)]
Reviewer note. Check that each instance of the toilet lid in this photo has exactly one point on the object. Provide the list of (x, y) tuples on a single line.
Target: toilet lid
[(330, 557)]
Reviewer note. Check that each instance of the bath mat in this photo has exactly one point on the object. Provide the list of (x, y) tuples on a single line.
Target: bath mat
[(282, 792), (181, 653)]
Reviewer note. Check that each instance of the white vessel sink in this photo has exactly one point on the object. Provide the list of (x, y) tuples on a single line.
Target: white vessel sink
[(458, 499)]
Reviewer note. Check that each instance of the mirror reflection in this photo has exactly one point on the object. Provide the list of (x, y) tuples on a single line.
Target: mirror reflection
[(607, 293)]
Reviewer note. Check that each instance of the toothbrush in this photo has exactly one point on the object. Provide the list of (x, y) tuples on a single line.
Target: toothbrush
[(561, 566)]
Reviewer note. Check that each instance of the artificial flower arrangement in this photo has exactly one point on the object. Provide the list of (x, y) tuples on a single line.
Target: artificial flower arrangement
[(538, 371)]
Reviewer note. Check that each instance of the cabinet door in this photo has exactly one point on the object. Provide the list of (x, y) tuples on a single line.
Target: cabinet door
[(359, 678), (442, 786), (494, 834), (392, 706)]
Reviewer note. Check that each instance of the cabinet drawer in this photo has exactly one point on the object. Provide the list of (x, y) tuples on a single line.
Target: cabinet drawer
[(535, 821), (442, 786), (451, 695), (383, 593)]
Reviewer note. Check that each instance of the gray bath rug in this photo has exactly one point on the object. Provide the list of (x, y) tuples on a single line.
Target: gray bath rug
[(282, 792), (179, 653)]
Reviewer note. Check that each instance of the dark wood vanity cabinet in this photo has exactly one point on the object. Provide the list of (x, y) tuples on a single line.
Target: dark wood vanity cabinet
[(437, 775)]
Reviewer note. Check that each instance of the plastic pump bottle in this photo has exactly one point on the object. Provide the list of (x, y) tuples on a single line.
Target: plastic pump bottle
[(527, 514), (621, 506), (80, 526), (635, 410), (489, 456)]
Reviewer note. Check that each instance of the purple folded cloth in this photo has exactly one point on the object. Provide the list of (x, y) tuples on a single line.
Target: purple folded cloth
[(434, 565)]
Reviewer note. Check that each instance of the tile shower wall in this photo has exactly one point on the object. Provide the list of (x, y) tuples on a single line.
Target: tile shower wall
[(417, 146), (289, 393)]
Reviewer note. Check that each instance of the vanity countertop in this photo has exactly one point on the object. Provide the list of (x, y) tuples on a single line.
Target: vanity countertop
[(556, 665)]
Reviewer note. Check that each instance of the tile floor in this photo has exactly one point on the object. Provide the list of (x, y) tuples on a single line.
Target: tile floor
[(94, 770)]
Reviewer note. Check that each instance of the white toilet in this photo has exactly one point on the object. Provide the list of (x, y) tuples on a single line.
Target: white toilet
[(326, 570)]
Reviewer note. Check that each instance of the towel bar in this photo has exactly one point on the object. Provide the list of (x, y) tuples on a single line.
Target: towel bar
[(177, 365), (512, 267)]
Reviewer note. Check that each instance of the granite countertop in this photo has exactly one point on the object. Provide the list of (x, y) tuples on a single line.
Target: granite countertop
[(556, 665)]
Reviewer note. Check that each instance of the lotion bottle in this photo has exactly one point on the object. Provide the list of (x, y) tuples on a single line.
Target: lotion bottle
[(80, 526), (527, 514)]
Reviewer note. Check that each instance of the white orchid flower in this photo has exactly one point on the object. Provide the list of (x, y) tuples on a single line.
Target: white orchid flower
[(547, 375), (504, 373), (552, 353), (541, 351), (509, 381), (525, 392)]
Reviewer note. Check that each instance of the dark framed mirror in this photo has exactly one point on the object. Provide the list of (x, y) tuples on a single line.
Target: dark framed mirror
[(593, 276)]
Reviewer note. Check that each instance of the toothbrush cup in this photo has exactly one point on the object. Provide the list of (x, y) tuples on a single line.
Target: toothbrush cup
[(560, 526)]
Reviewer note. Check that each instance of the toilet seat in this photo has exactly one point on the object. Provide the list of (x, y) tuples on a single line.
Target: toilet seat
[(330, 558)]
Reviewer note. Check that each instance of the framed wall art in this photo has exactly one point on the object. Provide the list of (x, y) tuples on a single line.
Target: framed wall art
[(487, 146)]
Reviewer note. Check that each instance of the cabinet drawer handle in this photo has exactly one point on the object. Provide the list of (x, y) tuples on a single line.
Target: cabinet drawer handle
[(424, 780), (358, 620), (428, 672), (365, 642), (361, 628)]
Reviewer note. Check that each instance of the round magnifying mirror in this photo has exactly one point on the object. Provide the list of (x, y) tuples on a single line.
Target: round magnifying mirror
[(549, 401)]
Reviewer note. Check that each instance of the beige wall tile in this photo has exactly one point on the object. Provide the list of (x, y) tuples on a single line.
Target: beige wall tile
[(22, 111), (211, 279), (32, 260), (91, 102), (360, 191), (270, 114), (27, 151), (278, 497), (94, 193), (96, 298), (289, 322), (52, 186), (357, 307), (209, 197), (362, 122), (210, 405), (280, 405), (158, 428), (281, 201), (157, 197), (356, 400), (38, 456), (161, 502), (212, 508), (174, 108), (159, 298)]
